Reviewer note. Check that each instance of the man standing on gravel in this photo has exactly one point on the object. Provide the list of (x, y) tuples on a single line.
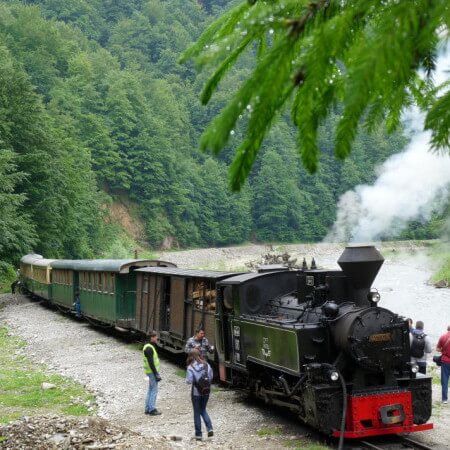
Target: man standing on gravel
[(420, 345), (443, 346), (151, 369), (199, 342)]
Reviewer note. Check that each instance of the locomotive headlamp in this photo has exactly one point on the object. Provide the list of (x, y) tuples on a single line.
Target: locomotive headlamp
[(334, 376), (374, 296), (414, 368)]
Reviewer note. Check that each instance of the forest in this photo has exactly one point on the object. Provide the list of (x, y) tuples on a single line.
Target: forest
[(95, 107)]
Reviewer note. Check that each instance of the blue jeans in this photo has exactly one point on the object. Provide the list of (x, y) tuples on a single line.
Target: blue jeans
[(199, 403), (445, 374), (150, 401), (78, 309)]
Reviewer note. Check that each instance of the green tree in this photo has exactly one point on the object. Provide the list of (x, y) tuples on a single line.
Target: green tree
[(17, 232), (277, 203), (312, 55)]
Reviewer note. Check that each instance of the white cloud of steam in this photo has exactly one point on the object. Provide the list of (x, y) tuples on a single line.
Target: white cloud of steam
[(411, 186)]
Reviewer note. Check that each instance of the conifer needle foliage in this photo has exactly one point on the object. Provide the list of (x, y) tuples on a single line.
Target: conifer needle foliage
[(366, 56)]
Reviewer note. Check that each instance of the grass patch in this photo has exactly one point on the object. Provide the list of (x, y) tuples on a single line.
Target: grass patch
[(21, 381), (135, 345), (269, 431), (443, 273), (181, 373), (304, 445)]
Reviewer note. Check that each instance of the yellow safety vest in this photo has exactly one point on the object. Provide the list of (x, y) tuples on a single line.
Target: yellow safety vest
[(147, 368)]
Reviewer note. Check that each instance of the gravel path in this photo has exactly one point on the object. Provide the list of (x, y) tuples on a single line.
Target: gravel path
[(112, 368)]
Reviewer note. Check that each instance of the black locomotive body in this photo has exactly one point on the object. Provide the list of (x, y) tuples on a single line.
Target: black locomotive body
[(317, 342)]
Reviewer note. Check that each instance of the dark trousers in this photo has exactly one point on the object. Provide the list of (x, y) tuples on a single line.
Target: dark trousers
[(445, 374), (199, 403)]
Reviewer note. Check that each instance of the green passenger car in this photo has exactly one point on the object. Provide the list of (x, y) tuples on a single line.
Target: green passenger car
[(35, 275), (106, 288)]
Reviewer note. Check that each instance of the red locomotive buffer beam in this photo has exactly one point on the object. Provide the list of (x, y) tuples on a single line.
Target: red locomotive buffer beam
[(378, 414)]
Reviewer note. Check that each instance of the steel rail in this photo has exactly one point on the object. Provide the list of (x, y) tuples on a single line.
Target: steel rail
[(398, 442), (415, 444)]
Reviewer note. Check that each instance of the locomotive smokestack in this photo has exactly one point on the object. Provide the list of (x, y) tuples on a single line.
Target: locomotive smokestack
[(361, 265)]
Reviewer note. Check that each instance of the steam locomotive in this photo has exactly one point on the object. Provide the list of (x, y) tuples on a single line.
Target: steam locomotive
[(314, 341)]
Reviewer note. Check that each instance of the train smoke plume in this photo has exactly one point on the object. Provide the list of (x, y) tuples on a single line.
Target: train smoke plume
[(411, 185)]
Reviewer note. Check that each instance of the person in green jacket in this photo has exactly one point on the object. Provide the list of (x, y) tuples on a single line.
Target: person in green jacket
[(151, 369)]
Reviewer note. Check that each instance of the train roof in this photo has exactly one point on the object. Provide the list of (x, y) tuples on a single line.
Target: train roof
[(36, 260), (106, 265), (242, 278), (190, 273)]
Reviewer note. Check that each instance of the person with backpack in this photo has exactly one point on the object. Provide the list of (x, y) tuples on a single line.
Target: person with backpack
[(199, 375), (420, 346)]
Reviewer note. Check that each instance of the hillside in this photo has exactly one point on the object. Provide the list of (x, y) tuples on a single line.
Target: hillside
[(95, 107)]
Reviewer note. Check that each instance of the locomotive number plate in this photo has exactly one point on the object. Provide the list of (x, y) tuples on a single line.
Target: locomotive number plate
[(384, 337)]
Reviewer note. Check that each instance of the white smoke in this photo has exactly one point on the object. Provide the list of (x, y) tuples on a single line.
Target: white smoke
[(411, 186)]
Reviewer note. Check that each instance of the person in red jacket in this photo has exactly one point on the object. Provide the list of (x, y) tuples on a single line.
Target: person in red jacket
[(443, 346)]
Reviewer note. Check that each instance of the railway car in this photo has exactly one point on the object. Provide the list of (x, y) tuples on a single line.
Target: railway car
[(106, 288), (35, 275), (176, 302)]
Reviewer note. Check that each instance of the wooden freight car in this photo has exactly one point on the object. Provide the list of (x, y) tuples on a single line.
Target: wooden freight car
[(175, 302)]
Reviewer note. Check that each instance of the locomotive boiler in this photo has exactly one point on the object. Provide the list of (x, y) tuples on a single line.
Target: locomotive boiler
[(317, 342)]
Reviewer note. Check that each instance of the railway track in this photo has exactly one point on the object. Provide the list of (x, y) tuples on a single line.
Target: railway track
[(390, 443)]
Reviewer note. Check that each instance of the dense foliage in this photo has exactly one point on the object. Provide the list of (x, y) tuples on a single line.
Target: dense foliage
[(313, 55), (94, 106)]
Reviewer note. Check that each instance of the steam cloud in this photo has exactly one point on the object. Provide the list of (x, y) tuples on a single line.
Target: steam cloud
[(411, 186)]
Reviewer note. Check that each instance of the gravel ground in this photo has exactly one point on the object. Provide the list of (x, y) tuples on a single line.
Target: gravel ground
[(112, 368)]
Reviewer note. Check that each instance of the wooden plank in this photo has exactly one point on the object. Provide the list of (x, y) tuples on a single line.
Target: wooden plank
[(177, 294)]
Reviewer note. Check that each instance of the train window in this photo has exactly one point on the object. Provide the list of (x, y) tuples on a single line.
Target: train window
[(105, 282), (228, 297), (113, 284), (99, 282), (145, 285)]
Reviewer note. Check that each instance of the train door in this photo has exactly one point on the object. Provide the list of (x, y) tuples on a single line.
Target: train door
[(227, 316), (128, 299), (164, 313), (177, 297)]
